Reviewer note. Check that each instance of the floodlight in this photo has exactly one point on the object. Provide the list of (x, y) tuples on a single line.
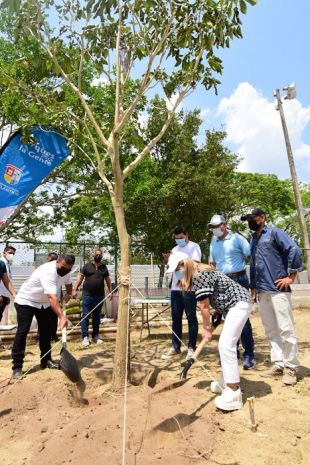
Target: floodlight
[(290, 91)]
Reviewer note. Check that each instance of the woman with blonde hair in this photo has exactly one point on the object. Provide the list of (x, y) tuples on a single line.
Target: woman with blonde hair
[(234, 302)]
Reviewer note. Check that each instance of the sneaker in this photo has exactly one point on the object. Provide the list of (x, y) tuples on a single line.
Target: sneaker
[(274, 371), (248, 363), (17, 373), (106, 320), (97, 340), (190, 353), (289, 376), (217, 387), (85, 342), (229, 400), (171, 353)]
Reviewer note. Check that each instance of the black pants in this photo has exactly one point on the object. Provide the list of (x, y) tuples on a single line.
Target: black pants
[(53, 321), (25, 314), (6, 302)]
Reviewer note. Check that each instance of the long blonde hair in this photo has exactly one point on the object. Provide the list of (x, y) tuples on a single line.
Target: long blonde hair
[(191, 269)]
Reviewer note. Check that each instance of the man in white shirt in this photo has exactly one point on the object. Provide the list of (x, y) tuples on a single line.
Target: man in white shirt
[(7, 259), (36, 297), (181, 300)]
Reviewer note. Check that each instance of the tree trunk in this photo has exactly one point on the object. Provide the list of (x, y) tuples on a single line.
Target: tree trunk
[(161, 275), (120, 373)]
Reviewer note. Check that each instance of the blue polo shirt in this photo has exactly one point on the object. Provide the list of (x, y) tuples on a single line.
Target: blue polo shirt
[(273, 256), (229, 254)]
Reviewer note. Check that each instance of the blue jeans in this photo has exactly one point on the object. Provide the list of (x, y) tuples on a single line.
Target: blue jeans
[(181, 301), (247, 333), (90, 302)]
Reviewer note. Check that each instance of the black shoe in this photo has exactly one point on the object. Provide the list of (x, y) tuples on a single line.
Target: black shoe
[(50, 364), (17, 373)]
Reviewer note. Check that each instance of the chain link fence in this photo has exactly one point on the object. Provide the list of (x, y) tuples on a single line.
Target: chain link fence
[(147, 276)]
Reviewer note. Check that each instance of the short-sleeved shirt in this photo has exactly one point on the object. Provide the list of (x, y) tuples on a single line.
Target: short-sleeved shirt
[(94, 278), (229, 254), (2, 268), (43, 281), (223, 293), (193, 251), (3, 290)]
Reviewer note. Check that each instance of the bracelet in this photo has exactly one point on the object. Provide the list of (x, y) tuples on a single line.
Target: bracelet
[(208, 328)]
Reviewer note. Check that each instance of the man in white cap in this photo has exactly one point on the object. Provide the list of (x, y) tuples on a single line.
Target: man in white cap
[(181, 300), (228, 252)]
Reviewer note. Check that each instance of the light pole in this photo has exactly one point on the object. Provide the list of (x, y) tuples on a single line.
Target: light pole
[(290, 94)]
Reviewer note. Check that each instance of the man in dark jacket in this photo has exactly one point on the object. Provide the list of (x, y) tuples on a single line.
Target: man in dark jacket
[(275, 262)]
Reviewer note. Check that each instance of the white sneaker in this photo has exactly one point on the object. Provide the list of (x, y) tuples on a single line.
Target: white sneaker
[(190, 353), (97, 340), (229, 400), (217, 386), (171, 353), (85, 342), (106, 320)]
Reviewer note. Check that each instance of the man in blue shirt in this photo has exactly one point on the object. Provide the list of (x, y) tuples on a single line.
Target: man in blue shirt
[(275, 261), (228, 252)]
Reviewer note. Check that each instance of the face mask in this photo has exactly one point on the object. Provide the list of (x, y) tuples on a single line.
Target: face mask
[(9, 257), (217, 232), (253, 225), (62, 271), (179, 274), (97, 258), (180, 242)]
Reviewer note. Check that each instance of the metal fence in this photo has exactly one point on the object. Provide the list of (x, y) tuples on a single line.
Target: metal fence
[(145, 277)]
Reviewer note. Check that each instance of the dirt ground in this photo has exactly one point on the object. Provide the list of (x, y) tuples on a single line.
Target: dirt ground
[(46, 420)]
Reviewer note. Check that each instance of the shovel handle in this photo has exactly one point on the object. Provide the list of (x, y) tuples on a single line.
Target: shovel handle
[(64, 329), (189, 362), (199, 348)]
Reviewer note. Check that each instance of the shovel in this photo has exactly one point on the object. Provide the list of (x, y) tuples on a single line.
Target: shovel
[(68, 364), (190, 361), (216, 321)]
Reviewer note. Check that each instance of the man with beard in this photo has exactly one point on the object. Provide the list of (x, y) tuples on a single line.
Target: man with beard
[(275, 262)]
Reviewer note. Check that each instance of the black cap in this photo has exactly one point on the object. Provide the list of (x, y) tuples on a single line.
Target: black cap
[(254, 212)]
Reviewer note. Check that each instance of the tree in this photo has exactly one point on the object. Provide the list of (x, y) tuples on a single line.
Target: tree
[(173, 45)]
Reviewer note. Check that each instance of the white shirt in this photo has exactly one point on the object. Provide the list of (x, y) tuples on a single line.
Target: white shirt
[(43, 281), (192, 250), (3, 289)]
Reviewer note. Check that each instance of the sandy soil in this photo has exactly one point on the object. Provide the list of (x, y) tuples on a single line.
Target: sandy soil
[(46, 420)]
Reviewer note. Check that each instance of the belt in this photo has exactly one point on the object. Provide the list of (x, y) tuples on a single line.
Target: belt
[(237, 273)]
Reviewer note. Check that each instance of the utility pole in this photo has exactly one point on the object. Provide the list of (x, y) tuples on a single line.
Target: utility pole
[(291, 93)]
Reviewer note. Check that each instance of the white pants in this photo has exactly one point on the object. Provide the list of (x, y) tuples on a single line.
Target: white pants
[(277, 317), (231, 332)]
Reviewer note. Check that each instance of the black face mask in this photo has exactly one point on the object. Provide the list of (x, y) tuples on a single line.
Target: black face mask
[(62, 271), (253, 225), (97, 258)]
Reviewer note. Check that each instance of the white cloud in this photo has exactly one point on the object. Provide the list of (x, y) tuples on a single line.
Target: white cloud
[(254, 127), (101, 81), (170, 102)]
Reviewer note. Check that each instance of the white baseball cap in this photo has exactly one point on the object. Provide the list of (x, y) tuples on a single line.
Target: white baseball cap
[(174, 259), (216, 220)]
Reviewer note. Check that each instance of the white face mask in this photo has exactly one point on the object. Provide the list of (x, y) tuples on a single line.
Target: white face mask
[(9, 257), (217, 232)]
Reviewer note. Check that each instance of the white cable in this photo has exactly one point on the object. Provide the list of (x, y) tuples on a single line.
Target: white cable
[(209, 373)]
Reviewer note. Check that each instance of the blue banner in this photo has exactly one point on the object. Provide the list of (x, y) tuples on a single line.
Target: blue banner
[(24, 166)]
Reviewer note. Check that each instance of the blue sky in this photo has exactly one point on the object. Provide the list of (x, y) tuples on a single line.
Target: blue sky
[(274, 52)]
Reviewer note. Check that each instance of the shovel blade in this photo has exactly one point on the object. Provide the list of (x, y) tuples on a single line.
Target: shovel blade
[(68, 364), (187, 366)]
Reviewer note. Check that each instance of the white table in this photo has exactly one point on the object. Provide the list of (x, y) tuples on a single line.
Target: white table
[(145, 310)]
